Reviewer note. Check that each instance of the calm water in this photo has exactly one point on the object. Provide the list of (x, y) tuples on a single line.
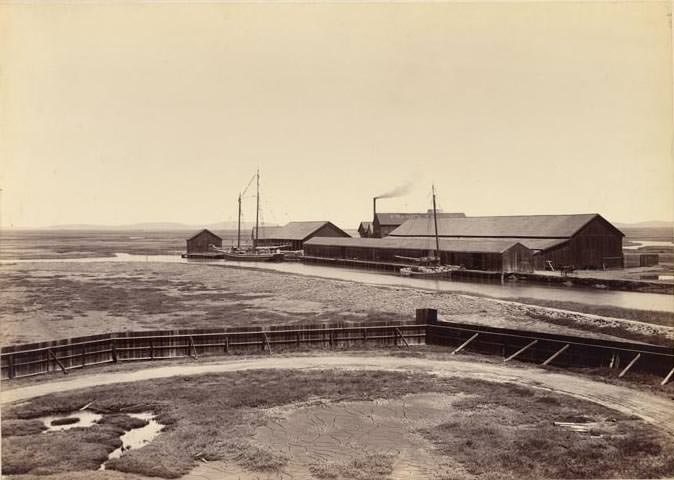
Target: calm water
[(649, 243), (507, 291)]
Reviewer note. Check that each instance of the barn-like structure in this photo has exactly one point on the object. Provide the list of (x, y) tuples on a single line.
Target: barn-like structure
[(293, 235), (201, 241), (584, 241), (473, 254)]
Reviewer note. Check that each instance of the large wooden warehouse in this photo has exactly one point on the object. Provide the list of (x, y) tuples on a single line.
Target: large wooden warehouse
[(293, 235), (584, 241), (384, 223), (473, 254)]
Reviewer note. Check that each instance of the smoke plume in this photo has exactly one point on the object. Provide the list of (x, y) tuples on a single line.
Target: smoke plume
[(399, 191)]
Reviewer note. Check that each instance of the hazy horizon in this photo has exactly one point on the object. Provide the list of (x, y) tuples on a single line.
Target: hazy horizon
[(124, 113)]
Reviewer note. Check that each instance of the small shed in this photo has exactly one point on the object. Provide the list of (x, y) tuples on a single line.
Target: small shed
[(365, 229), (200, 242)]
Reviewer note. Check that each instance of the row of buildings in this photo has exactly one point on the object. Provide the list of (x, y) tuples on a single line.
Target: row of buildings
[(520, 243)]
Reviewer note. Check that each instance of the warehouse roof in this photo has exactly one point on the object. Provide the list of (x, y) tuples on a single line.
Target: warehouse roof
[(400, 218), (479, 245), (294, 230), (521, 226)]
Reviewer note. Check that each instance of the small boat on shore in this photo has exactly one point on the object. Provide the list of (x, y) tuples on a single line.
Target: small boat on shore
[(428, 271), (260, 255)]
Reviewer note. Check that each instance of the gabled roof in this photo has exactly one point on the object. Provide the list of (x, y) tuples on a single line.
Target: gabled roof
[(479, 245), (389, 219), (520, 226), (202, 231), (367, 226), (294, 230)]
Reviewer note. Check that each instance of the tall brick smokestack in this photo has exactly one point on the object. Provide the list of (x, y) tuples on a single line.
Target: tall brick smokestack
[(374, 208)]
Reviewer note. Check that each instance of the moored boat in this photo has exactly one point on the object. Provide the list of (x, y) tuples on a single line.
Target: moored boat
[(256, 253)]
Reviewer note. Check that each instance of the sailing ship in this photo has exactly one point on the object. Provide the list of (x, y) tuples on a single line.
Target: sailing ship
[(429, 266), (256, 253)]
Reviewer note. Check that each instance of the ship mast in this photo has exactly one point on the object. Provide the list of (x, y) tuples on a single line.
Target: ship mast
[(238, 228), (435, 221), (257, 212)]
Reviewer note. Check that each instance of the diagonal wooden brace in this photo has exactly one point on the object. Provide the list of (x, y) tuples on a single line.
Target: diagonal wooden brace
[(520, 350), (58, 362), (400, 334), (556, 354), (629, 365), (460, 347)]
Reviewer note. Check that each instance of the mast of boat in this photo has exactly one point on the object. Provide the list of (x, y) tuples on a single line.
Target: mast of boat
[(238, 228), (435, 221), (257, 212)]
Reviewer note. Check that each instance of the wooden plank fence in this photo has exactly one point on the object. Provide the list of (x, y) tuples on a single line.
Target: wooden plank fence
[(536, 347), (549, 349), (63, 355)]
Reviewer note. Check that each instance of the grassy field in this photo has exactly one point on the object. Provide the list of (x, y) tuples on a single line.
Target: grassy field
[(43, 301), (493, 428)]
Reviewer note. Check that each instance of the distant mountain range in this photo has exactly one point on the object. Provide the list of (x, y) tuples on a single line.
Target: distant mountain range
[(652, 224), (152, 226)]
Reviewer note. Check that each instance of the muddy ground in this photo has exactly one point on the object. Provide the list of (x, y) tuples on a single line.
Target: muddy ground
[(45, 301), (372, 417)]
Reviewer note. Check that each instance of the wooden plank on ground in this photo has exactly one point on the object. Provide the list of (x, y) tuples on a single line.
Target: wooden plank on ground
[(530, 344), (461, 347), (556, 354), (629, 365)]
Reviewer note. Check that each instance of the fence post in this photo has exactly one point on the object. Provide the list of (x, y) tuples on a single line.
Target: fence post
[(151, 349), (114, 351), (10, 360), (226, 344), (83, 357), (427, 315)]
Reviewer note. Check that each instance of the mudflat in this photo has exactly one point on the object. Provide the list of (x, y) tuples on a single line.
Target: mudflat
[(53, 300)]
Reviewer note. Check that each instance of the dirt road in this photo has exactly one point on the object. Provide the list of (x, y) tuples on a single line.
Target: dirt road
[(651, 408)]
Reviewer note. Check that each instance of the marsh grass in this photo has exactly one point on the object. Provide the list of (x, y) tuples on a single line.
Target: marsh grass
[(514, 434), (500, 427)]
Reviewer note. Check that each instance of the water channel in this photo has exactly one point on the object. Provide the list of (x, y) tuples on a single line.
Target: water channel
[(507, 291)]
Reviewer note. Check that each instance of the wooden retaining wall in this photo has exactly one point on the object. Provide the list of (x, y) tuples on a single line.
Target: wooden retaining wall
[(63, 355), (536, 347), (548, 348)]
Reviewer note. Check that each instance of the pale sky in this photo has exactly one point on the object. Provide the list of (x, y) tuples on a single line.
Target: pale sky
[(121, 113)]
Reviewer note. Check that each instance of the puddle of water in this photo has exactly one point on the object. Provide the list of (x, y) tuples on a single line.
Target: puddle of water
[(137, 437), (84, 418)]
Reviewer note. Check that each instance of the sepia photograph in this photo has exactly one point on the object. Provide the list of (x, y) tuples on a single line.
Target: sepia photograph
[(336, 240)]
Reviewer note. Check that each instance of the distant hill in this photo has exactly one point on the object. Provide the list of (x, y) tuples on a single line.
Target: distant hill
[(652, 224), (151, 227)]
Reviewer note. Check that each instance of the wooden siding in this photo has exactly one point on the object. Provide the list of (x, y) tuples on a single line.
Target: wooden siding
[(200, 242), (597, 245), (516, 259)]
